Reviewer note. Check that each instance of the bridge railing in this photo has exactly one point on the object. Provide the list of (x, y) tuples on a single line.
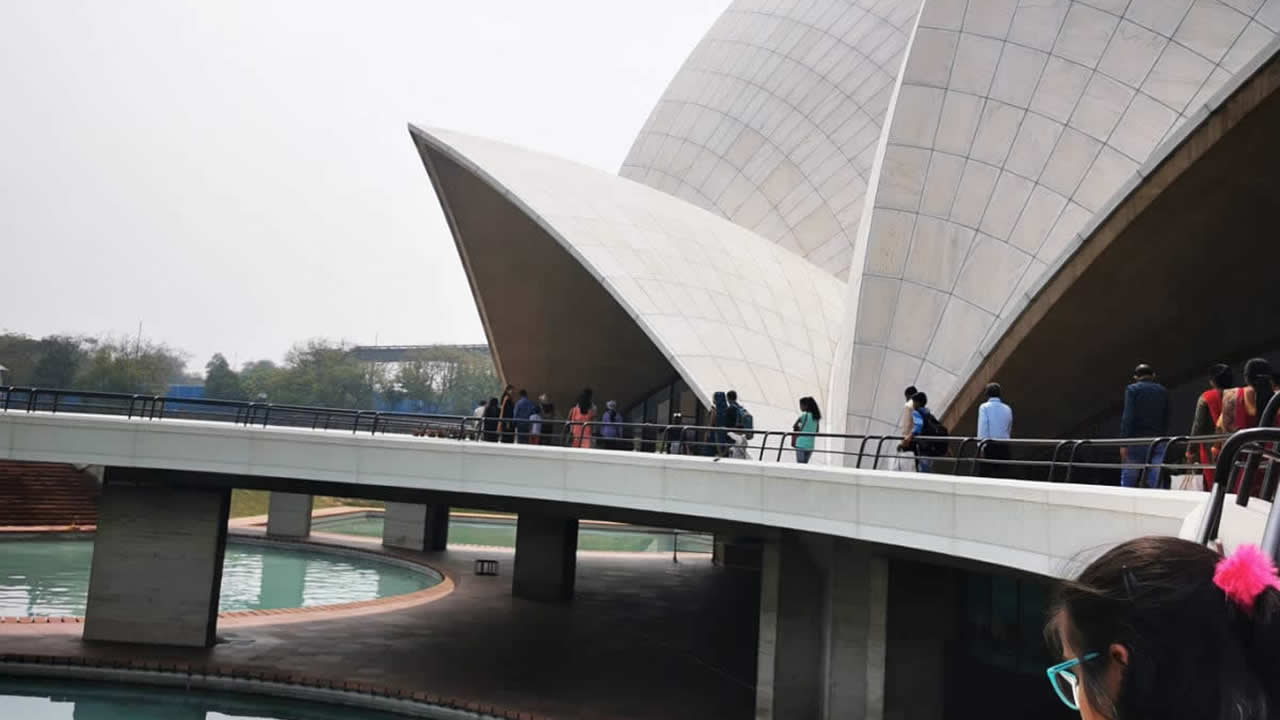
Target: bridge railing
[(1096, 460)]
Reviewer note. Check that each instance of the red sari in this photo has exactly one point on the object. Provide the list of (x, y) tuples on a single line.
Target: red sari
[(1236, 416), (1209, 453)]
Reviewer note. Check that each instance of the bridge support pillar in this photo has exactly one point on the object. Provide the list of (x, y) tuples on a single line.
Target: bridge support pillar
[(736, 551), (288, 515), (157, 562), (546, 557), (415, 527), (823, 610)]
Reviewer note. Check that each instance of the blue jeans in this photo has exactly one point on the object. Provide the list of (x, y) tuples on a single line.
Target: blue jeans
[(1138, 454), (802, 455)]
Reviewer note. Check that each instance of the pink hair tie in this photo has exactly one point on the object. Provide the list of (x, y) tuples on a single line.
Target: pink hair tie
[(1244, 574)]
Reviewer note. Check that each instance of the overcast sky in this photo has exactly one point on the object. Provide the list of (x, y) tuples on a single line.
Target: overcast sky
[(237, 176)]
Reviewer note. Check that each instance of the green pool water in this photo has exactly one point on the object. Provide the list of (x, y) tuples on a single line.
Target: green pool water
[(51, 577), (502, 533), (47, 700)]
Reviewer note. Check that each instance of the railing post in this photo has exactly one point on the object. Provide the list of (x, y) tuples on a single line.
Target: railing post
[(862, 450), (1071, 459), (875, 462), (1053, 459), (1266, 419), (979, 453), (960, 454)]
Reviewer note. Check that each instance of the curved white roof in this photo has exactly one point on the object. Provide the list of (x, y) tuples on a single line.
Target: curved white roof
[(1014, 126), (940, 155), (728, 308), (774, 119)]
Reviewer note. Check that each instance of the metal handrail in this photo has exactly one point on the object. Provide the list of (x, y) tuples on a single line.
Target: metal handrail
[(698, 439), (1210, 524)]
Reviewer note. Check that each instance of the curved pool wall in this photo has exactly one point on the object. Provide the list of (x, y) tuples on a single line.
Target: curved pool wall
[(489, 531), (50, 577), (44, 699)]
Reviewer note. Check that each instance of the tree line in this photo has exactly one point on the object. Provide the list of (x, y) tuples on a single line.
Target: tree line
[(316, 372)]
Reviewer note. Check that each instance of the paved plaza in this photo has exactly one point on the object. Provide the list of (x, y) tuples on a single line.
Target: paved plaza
[(636, 624)]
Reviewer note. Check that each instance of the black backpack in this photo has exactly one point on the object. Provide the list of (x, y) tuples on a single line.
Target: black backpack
[(932, 428), (746, 423)]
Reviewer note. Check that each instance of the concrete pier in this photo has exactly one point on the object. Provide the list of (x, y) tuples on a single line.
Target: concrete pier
[(289, 515), (546, 557), (157, 563), (823, 613), (415, 527)]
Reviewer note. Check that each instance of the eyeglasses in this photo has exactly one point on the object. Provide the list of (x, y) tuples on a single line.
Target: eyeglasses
[(1063, 678)]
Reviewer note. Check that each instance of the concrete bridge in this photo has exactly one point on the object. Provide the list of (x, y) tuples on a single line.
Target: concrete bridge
[(824, 535)]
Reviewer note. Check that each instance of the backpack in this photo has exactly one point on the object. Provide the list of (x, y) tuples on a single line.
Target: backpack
[(932, 428), (746, 422)]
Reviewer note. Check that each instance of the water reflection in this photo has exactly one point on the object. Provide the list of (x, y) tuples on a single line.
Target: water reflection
[(47, 700), (51, 577)]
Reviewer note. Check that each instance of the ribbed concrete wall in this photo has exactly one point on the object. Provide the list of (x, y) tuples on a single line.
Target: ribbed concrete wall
[(774, 119), (1015, 123)]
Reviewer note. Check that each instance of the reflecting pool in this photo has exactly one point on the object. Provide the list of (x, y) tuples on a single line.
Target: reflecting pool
[(49, 700), (501, 532), (51, 577)]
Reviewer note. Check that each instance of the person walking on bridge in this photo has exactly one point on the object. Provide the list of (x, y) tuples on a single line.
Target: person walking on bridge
[(492, 420), (995, 423), (506, 410), (611, 427), (1242, 406), (580, 415), (806, 426), (1146, 415), (905, 423), (1208, 411), (523, 410)]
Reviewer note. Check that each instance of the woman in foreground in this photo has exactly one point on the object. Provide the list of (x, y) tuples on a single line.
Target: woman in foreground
[(1165, 629)]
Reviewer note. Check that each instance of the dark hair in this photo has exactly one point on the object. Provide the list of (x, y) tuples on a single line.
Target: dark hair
[(524, 393), (732, 395), (809, 405), (1257, 374), (922, 398), (1221, 376), (993, 390), (1193, 654), (584, 400), (1144, 370), (910, 392)]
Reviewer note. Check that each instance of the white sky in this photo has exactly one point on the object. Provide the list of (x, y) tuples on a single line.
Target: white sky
[(237, 175)]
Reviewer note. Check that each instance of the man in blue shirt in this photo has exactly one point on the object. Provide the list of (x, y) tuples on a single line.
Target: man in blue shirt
[(523, 410), (1146, 415), (995, 422)]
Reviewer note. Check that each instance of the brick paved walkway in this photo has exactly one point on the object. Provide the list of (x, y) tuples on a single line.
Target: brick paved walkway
[(642, 639)]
